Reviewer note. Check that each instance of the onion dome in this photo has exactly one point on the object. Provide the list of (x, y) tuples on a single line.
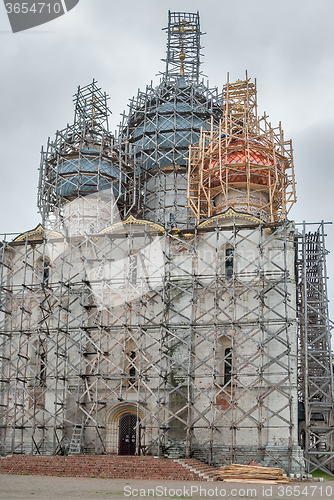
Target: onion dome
[(86, 170), (240, 165), (164, 121)]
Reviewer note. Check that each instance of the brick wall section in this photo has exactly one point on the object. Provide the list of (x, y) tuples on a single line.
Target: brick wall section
[(118, 467)]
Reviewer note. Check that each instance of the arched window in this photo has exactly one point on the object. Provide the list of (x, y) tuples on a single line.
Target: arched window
[(227, 365), (132, 369), (43, 270), (225, 361), (229, 264), (46, 273)]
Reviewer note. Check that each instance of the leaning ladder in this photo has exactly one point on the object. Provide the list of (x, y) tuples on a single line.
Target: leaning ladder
[(76, 439)]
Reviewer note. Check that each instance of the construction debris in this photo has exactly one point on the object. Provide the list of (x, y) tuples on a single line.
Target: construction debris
[(236, 473)]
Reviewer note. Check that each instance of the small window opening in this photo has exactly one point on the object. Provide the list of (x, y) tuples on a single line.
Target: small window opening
[(228, 365), (229, 262), (318, 416)]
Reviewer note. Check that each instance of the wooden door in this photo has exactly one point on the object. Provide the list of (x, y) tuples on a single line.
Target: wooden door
[(127, 434)]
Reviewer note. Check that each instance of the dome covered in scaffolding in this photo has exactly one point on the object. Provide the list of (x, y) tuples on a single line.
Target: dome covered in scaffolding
[(84, 158), (85, 171), (240, 164), (165, 120), (243, 163)]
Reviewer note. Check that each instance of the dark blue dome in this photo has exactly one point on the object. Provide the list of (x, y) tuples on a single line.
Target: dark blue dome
[(85, 175), (168, 119)]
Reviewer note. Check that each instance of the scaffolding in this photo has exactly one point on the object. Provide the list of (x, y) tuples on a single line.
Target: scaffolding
[(183, 45), (131, 322), (316, 364), (190, 331), (243, 163), (164, 120), (86, 161)]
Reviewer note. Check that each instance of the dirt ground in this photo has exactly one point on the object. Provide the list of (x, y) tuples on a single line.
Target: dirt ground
[(69, 488)]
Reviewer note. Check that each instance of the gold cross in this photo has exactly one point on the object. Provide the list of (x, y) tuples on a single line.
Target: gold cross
[(94, 100), (182, 30)]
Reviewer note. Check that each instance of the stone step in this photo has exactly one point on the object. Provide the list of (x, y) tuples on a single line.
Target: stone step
[(206, 471)]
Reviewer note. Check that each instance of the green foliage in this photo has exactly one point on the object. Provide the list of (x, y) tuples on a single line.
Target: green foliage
[(324, 475)]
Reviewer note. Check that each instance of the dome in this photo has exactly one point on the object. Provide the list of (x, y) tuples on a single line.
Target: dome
[(168, 119), (240, 161), (84, 175)]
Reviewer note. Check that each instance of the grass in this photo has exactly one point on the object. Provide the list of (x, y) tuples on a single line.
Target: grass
[(324, 475)]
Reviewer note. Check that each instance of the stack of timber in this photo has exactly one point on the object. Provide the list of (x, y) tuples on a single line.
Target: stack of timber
[(251, 474)]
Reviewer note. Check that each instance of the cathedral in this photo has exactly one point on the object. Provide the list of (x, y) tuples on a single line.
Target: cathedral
[(167, 305)]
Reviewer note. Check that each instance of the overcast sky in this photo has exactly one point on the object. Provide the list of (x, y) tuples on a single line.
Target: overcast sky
[(287, 45)]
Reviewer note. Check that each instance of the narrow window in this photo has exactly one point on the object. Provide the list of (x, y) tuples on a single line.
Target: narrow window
[(228, 365), (229, 263), (132, 370), (46, 273)]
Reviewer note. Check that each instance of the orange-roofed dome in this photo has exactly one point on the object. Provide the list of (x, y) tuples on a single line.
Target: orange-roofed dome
[(240, 161), (244, 163)]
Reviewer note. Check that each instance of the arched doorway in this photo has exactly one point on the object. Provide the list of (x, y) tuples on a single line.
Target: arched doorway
[(127, 434), (114, 426)]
